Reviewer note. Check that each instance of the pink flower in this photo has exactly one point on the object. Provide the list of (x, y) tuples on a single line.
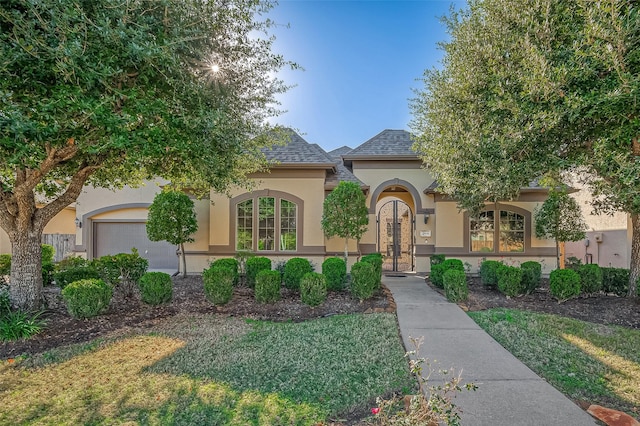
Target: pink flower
[(375, 410)]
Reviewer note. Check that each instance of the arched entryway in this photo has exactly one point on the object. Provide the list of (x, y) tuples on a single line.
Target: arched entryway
[(395, 220)]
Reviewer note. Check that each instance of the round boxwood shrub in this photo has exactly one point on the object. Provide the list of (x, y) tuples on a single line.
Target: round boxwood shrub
[(335, 271), (510, 280), (455, 285), (590, 278), (615, 280), (564, 284), (230, 263), (65, 277), (313, 289), (363, 280), (267, 286), (294, 270), (218, 284), (155, 288), (255, 265), (87, 298), (489, 273), (438, 270), (376, 260), (531, 275)]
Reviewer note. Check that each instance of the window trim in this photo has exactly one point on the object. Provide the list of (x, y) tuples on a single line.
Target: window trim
[(497, 208)]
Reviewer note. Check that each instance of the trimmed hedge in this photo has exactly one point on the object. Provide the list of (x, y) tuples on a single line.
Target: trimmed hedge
[(436, 259), (531, 276), (488, 273), (155, 288), (364, 280), (590, 278), (510, 280), (615, 280), (255, 265), (218, 285), (230, 263), (455, 285), (376, 260), (313, 289), (294, 270), (335, 271), (267, 288), (87, 298), (65, 277), (438, 270), (122, 270), (564, 284)]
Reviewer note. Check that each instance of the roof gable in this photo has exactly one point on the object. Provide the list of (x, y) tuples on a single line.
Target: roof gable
[(298, 152), (388, 144)]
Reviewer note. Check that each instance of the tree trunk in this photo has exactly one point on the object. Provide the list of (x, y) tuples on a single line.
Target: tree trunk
[(346, 250), (557, 255), (25, 289), (184, 261), (635, 255)]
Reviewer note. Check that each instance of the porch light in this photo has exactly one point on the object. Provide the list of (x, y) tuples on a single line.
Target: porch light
[(78, 223), (426, 218)]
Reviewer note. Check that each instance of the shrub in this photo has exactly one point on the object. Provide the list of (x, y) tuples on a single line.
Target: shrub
[(531, 275), (438, 270), (294, 270), (48, 252), (455, 285), (363, 280), (5, 268), (230, 263), (87, 298), (590, 278), (615, 280), (15, 325), (335, 271), (564, 284), (488, 273), (313, 289), (437, 259), (5, 302), (155, 288), (67, 276), (218, 285), (123, 270), (376, 260), (572, 262), (510, 280), (268, 286), (71, 262), (255, 265)]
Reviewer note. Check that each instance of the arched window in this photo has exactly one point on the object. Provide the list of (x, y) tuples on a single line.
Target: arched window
[(267, 223), (506, 227)]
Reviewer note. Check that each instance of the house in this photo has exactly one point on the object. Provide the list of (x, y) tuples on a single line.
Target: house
[(409, 220)]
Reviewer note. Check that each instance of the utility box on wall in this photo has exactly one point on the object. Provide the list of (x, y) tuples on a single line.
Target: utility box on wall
[(597, 237)]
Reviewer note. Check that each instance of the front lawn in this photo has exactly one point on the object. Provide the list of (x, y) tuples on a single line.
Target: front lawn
[(595, 363), (207, 369)]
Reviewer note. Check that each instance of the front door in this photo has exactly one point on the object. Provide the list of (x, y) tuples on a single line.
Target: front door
[(395, 236)]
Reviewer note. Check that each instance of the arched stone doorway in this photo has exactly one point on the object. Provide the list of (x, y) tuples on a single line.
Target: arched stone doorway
[(396, 224)]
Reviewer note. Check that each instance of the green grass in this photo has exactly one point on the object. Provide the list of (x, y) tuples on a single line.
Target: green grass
[(205, 369), (596, 363)]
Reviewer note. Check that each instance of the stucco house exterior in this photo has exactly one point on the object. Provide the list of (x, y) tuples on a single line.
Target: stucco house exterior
[(409, 220)]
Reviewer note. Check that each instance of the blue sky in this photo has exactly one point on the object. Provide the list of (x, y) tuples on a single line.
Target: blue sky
[(361, 60)]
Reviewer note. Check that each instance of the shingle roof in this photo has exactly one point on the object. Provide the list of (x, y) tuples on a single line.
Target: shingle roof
[(388, 144), (339, 152), (297, 151)]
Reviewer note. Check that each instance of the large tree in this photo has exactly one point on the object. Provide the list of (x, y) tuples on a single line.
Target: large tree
[(109, 92), (529, 87)]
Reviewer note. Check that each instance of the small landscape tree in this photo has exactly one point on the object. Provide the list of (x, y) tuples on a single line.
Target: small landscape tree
[(345, 214), (172, 218)]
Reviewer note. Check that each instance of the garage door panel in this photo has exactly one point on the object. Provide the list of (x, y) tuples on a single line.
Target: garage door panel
[(121, 237)]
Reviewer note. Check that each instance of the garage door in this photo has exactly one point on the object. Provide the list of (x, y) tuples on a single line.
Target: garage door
[(121, 237)]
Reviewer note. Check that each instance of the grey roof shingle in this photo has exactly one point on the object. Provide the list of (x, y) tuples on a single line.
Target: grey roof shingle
[(339, 152), (297, 151), (388, 144)]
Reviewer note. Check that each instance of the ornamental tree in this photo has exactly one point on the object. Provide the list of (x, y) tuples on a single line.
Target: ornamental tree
[(560, 218), (532, 86), (108, 93), (172, 218), (345, 214)]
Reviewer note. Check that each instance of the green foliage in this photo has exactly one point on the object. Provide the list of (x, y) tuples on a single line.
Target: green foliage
[(436, 259), (615, 280), (5, 267), (218, 285), (590, 278), (229, 263), (268, 286), (48, 253), (294, 270), (255, 265), (5, 302), (18, 324), (573, 262), (531, 275), (438, 270), (376, 260), (155, 288), (564, 284), (455, 285), (364, 280), (313, 289), (345, 213), (510, 280), (335, 271), (122, 271), (71, 274), (71, 262), (87, 298), (488, 272)]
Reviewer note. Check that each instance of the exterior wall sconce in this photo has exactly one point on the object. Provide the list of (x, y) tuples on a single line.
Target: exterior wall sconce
[(78, 223), (426, 218)]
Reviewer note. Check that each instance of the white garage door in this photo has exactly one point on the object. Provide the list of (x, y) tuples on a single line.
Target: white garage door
[(121, 237)]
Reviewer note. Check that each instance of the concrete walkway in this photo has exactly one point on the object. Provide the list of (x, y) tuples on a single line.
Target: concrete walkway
[(509, 393)]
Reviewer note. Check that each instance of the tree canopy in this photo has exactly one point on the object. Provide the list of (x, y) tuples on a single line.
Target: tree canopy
[(107, 93), (529, 87)]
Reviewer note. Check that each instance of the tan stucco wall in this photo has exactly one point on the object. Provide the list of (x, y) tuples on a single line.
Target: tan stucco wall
[(62, 223), (449, 224)]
